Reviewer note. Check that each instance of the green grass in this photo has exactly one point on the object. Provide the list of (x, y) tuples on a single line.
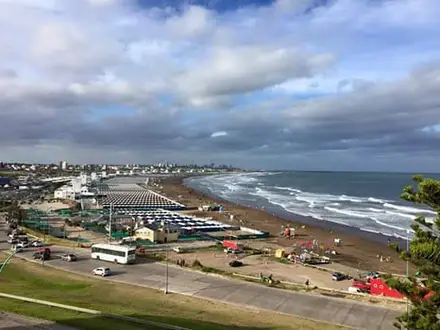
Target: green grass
[(33, 280), (67, 317)]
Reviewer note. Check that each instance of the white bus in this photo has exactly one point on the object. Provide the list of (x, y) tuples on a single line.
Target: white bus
[(120, 254)]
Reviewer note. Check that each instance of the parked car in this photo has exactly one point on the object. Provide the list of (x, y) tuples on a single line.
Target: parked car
[(12, 240), (353, 289), (179, 249), (102, 271), (37, 243), (42, 254), (23, 238), (16, 249), (22, 245), (68, 257), (235, 263), (338, 276), (362, 285), (372, 275)]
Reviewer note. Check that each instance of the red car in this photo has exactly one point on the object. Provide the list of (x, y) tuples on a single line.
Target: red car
[(364, 286)]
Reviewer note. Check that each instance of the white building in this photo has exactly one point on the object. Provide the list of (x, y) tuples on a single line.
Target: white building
[(63, 165), (76, 185), (93, 176), (83, 178), (65, 192), (103, 174)]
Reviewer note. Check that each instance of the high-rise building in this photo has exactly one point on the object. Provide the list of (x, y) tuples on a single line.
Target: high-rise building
[(63, 165)]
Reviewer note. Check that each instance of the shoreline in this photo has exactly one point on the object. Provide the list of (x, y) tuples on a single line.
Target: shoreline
[(360, 249)]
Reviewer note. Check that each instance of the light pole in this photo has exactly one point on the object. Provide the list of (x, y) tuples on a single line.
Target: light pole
[(166, 258), (110, 223), (166, 272)]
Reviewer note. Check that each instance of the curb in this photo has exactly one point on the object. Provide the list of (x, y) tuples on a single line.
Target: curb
[(52, 304)]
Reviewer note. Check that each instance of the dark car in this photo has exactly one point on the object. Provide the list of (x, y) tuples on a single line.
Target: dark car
[(41, 256), (235, 263), (372, 275), (338, 276)]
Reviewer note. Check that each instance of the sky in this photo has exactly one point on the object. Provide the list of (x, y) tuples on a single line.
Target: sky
[(285, 84)]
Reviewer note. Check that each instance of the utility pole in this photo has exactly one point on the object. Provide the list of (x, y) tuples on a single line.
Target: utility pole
[(110, 223)]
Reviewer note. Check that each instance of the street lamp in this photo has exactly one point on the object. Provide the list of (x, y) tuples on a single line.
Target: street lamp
[(166, 258), (166, 273)]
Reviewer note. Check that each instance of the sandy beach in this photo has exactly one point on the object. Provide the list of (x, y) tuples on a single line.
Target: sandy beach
[(360, 250)]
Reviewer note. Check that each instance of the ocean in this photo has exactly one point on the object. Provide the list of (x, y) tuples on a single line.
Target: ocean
[(367, 201)]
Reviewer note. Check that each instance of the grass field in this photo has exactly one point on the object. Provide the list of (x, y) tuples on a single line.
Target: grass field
[(66, 317), (32, 280)]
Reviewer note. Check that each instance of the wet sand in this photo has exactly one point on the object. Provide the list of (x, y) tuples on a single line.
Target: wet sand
[(359, 250)]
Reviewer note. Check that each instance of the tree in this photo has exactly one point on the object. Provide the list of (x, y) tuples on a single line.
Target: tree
[(15, 213), (424, 253)]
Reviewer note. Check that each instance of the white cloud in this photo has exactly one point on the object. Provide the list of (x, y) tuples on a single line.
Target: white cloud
[(192, 23), (244, 69), (218, 134), (103, 2), (73, 72)]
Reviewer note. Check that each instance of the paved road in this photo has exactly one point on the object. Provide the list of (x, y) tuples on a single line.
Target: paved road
[(9, 321), (349, 313)]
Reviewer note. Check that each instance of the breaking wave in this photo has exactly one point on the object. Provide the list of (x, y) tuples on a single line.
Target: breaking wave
[(372, 214)]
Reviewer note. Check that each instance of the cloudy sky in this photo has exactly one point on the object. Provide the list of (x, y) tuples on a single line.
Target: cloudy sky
[(285, 84)]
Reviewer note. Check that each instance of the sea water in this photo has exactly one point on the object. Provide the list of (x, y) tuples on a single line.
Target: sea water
[(368, 201)]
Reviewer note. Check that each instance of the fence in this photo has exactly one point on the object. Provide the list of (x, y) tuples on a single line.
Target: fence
[(194, 238), (101, 230), (33, 213), (243, 236), (44, 227)]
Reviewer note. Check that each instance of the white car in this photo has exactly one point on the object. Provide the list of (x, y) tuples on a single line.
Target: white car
[(102, 271), (22, 245), (37, 244)]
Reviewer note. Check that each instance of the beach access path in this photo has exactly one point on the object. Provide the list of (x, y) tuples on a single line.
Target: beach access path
[(151, 274)]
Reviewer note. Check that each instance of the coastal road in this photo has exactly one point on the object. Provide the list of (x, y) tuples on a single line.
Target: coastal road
[(10, 321), (150, 274)]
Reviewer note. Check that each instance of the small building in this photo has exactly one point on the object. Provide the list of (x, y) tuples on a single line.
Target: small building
[(157, 233), (64, 192)]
